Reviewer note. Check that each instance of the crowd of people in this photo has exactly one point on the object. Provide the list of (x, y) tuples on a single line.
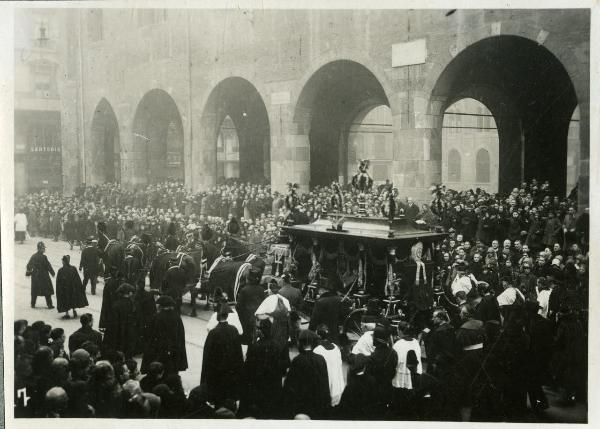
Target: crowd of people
[(510, 316)]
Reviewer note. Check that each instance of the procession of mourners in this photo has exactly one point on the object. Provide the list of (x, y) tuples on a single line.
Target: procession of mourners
[(477, 322)]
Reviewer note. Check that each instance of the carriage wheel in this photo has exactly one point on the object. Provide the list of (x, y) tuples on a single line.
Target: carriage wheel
[(352, 329)]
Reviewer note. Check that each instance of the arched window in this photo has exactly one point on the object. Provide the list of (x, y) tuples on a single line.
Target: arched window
[(482, 166), (454, 166), (469, 126), (370, 137)]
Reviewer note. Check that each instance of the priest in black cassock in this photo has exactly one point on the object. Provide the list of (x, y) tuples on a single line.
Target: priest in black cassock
[(306, 387), (263, 370), (70, 293), (121, 333), (222, 360), (166, 342), (109, 296)]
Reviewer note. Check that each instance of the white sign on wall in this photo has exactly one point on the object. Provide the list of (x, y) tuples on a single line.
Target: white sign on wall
[(409, 53)]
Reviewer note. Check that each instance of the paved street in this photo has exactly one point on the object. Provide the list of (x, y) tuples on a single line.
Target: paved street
[(195, 328)]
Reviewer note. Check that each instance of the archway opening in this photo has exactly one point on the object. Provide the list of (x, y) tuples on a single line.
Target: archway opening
[(331, 109), (236, 124), (469, 146), (370, 137), (531, 97), (106, 165), (228, 152), (158, 138)]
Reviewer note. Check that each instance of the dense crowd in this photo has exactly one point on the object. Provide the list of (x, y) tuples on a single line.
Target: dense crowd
[(159, 208), (512, 318)]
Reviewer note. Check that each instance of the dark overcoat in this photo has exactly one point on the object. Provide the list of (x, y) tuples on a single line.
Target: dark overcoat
[(222, 363), (69, 290), (166, 342), (39, 269)]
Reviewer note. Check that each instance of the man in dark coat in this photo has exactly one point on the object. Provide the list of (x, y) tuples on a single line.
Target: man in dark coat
[(248, 300), (541, 338), (359, 399), (293, 295), (145, 309), (90, 263), (485, 305), (306, 387), (222, 361), (329, 309), (263, 370), (440, 343), (382, 367), (39, 269), (70, 293), (84, 334), (166, 343), (121, 333), (411, 210)]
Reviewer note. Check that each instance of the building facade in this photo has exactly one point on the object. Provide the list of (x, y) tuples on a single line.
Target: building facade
[(38, 148), (297, 85)]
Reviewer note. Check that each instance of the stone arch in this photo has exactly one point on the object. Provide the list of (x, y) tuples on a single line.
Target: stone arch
[(239, 99), (530, 79), (105, 165), (327, 104), (157, 149)]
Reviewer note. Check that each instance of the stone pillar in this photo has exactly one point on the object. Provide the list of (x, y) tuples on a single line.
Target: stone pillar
[(203, 165), (290, 149), (417, 146), (70, 136)]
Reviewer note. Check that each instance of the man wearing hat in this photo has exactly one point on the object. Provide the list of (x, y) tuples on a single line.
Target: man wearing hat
[(526, 282), (248, 300), (166, 342), (121, 332), (90, 263), (40, 270), (222, 360)]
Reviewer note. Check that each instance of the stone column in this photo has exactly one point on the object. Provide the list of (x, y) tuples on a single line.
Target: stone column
[(290, 149), (203, 165), (417, 146), (70, 136)]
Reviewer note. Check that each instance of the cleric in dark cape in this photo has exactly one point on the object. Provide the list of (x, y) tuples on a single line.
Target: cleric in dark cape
[(222, 361), (121, 332), (70, 293), (109, 296), (306, 387), (166, 342), (263, 369), (248, 300)]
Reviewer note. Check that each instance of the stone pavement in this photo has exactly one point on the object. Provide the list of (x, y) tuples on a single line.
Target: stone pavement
[(195, 327)]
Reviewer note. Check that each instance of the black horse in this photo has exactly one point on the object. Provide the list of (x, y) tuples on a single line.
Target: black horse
[(112, 252), (175, 274)]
